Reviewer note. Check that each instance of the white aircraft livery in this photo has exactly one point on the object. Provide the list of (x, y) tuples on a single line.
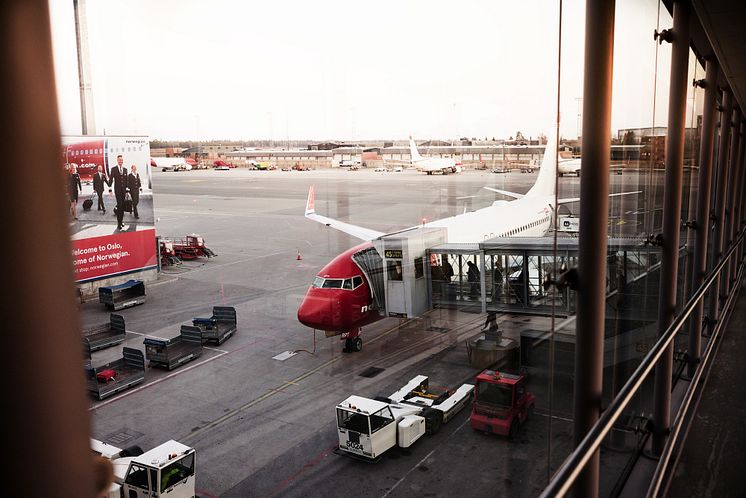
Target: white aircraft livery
[(526, 215), (432, 165)]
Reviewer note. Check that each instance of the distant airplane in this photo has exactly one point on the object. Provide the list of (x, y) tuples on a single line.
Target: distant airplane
[(170, 163), (432, 165), (568, 166), (340, 299)]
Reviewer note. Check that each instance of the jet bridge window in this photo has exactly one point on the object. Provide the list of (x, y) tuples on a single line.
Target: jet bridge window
[(394, 269)]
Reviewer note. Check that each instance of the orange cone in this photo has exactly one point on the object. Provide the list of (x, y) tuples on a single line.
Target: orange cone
[(298, 257)]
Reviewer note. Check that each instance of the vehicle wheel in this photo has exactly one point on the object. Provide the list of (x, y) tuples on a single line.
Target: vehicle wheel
[(348, 346), (357, 344), (514, 427), (433, 420)]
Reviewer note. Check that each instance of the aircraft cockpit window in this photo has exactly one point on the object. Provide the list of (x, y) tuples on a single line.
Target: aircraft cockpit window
[(332, 283), (318, 282), (347, 284), (357, 282)]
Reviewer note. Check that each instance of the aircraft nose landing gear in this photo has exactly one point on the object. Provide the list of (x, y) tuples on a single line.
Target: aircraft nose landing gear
[(353, 341)]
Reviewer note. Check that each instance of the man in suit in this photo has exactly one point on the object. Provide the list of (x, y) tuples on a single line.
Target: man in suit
[(133, 185), (119, 179), (98, 186)]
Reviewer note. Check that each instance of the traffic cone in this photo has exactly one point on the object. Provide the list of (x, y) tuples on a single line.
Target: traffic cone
[(298, 257)]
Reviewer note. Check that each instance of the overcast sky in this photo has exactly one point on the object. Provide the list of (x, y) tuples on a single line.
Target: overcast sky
[(347, 70)]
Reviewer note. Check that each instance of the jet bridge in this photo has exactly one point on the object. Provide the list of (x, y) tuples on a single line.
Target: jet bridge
[(511, 271), (404, 259)]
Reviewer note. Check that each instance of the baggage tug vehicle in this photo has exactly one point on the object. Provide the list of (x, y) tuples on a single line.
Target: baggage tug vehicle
[(367, 428)]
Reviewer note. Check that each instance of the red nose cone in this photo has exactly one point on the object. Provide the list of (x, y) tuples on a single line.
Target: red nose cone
[(318, 310)]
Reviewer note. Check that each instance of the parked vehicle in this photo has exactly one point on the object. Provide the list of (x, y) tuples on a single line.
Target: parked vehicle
[(118, 375), (105, 335), (501, 403), (117, 297), (166, 470), (219, 327), (367, 428), (176, 351)]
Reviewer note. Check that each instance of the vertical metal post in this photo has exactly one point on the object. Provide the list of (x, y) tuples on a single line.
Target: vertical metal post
[(671, 217), (87, 118), (719, 208), (49, 423), (482, 281), (742, 187), (735, 206), (702, 230), (594, 218), (733, 171)]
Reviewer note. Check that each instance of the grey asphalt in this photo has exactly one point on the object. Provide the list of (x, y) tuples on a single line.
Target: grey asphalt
[(264, 427)]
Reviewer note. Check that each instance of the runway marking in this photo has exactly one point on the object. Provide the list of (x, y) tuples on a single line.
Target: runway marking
[(407, 474), (271, 392), (556, 417), (315, 460), (215, 349), (157, 381)]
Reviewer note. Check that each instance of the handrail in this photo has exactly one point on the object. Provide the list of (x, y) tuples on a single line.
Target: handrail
[(574, 464), (655, 484)]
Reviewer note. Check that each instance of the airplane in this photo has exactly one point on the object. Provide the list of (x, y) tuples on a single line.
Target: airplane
[(432, 165), (170, 163), (340, 299), (568, 166)]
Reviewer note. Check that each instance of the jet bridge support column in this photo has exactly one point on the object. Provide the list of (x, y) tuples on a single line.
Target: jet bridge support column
[(592, 243), (671, 218), (704, 187), (719, 208)]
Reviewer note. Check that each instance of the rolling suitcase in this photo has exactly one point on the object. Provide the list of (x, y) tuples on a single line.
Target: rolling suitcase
[(88, 203)]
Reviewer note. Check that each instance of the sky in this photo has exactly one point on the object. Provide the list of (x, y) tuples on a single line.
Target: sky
[(341, 70)]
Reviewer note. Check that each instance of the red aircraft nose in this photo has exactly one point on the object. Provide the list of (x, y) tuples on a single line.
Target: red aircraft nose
[(320, 310)]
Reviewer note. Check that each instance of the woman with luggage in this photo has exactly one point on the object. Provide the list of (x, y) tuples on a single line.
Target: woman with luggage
[(73, 187)]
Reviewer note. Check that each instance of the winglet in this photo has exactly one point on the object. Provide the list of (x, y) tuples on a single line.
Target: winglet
[(310, 203)]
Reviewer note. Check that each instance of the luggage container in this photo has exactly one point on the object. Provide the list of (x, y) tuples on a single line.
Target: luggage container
[(118, 375), (117, 297), (220, 326), (175, 351), (105, 335)]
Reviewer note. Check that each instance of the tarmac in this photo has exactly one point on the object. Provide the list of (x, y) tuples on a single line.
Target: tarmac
[(266, 427)]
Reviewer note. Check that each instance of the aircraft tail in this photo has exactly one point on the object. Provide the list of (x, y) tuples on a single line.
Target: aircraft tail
[(546, 181), (310, 203), (414, 153)]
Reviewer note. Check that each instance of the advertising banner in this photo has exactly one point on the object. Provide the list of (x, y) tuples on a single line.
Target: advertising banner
[(109, 190)]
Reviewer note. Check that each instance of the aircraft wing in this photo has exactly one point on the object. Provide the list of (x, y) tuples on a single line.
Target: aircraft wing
[(504, 192), (354, 230), (568, 200)]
